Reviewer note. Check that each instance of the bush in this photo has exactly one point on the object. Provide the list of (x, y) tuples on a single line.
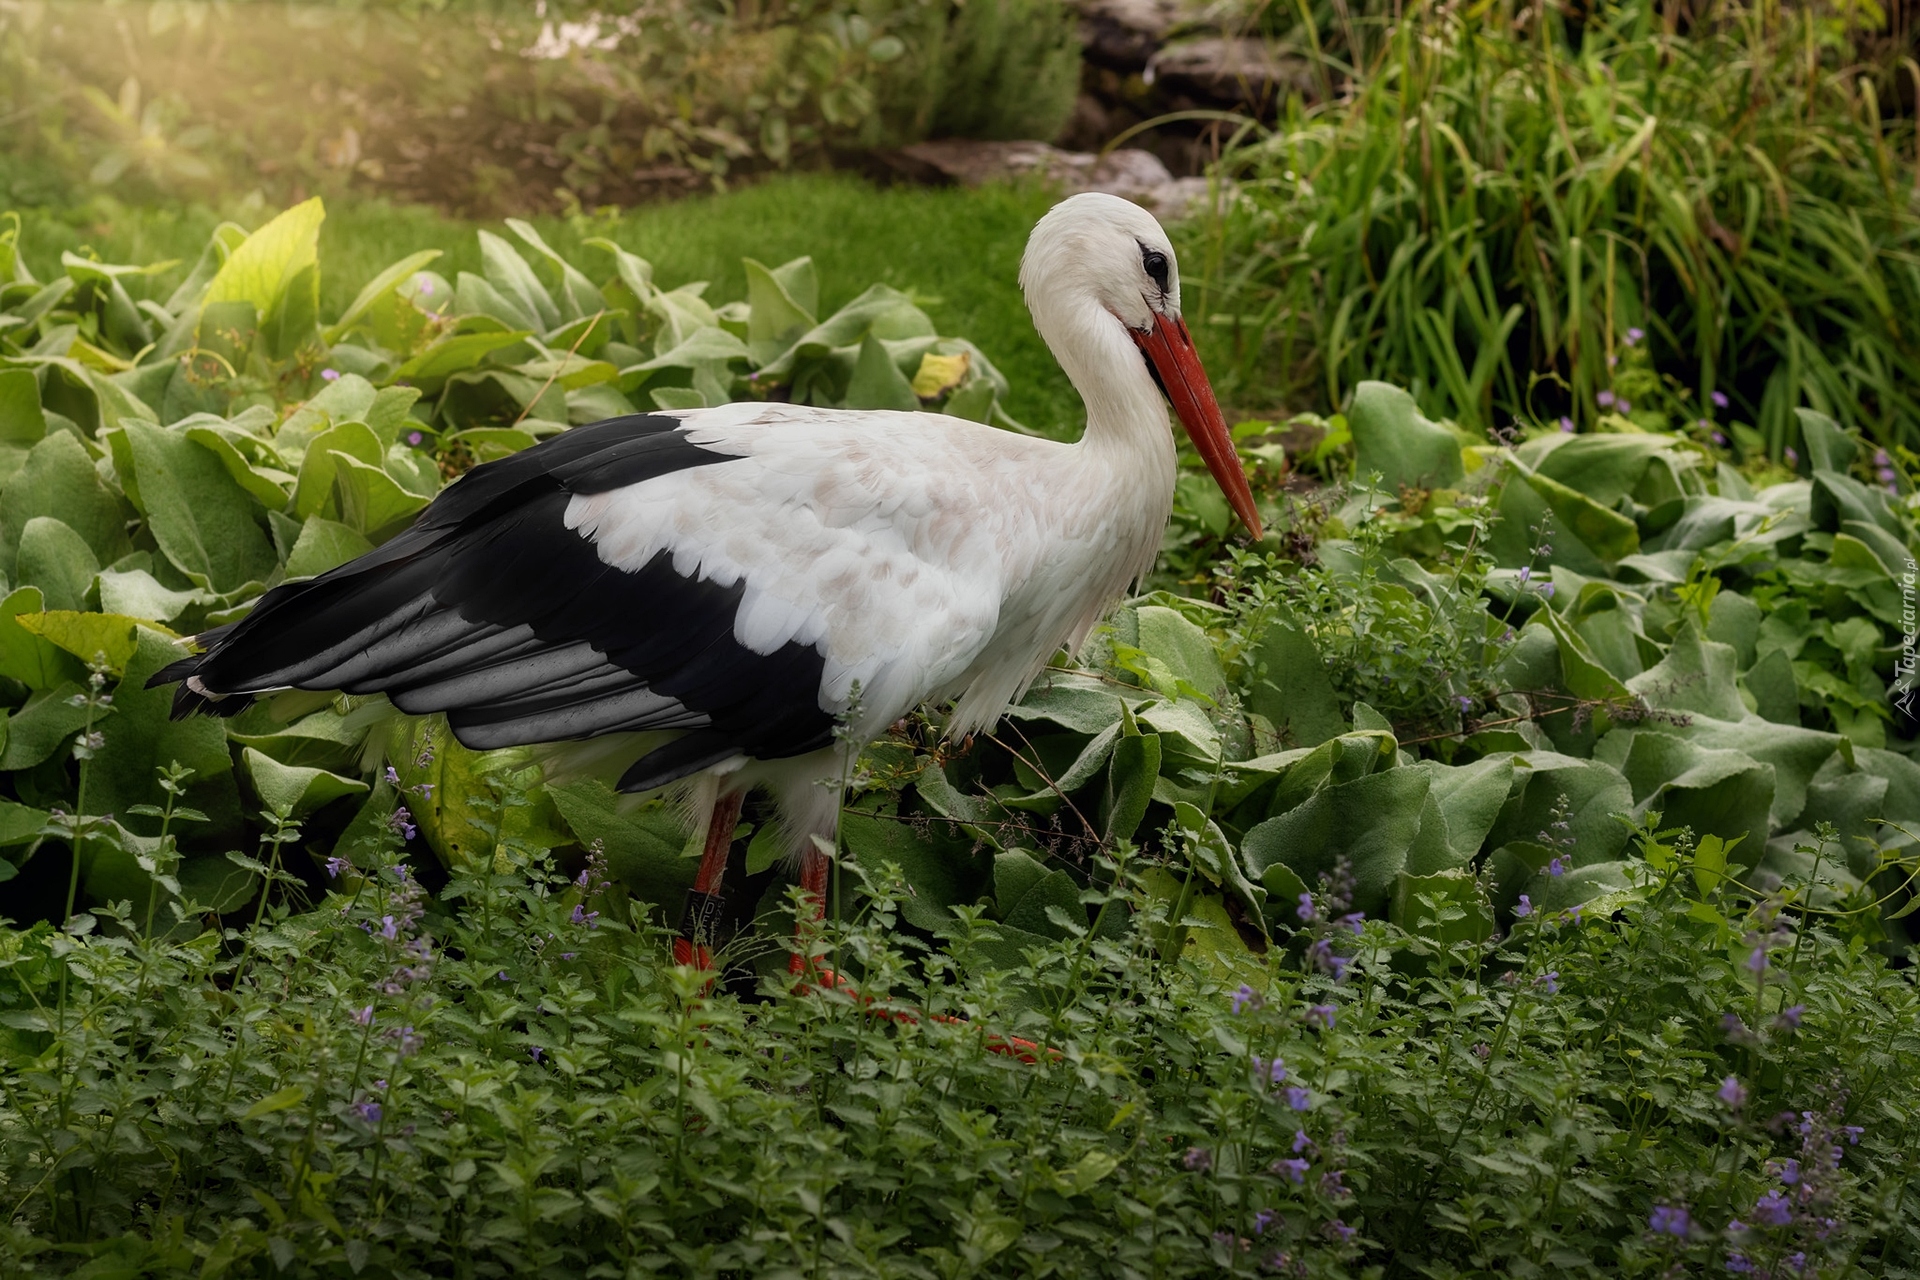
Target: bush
[(493, 106), (1501, 205)]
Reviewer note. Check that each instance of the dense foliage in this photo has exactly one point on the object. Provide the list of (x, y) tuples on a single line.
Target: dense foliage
[(1501, 196), (497, 106), (1497, 870)]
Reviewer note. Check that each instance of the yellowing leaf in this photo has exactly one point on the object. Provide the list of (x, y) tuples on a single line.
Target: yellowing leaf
[(939, 373), (290, 1096), (268, 260), (86, 634)]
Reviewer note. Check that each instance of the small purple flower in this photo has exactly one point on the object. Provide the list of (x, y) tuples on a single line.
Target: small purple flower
[(1298, 1099), (1277, 1071), (1354, 922), (1198, 1159), (1757, 962), (363, 1017), (1339, 1232), (393, 776), (402, 821), (1790, 1016), (407, 1040), (389, 928), (1626, 406), (1305, 909), (1557, 867), (368, 1111), (1793, 456), (1549, 982), (1566, 425), (1719, 399), (535, 1052), (1294, 1170), (1788, 1172), (1525, 908), (330, 375), (1321, 1015), (1263, 1221), (1773, 1209), (415, 437), (1301, 1141), (502, 976), (1526, 573), (1546, 590), (581, 915), (1244, 997), (1739, 1264), (338, 866), (1885, 474), (1852, 1132), (1669, 1220), (1604, 399), (1634, 336), (1719, 439), (1733, 1093)]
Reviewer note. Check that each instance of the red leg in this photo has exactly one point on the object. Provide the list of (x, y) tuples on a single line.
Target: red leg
[(813, 882), (701, 913)]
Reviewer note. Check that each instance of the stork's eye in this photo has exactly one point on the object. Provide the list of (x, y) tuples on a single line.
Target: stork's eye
[(1156, 264)]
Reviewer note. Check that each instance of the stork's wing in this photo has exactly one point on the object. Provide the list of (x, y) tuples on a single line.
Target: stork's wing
[(619, 577)]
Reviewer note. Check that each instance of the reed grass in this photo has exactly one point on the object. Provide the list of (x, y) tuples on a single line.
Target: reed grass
[(1501, 199)]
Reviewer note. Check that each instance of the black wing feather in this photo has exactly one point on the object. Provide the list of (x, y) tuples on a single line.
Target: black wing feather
[(491, 610)]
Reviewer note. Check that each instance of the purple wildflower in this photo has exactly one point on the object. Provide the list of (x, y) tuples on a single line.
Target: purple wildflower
[(1604, 399), (1733, 1093), (393, 776), (368, 1111), (1634, 336), (363, 1017), (1263, 1220), (1298, 1099), (402, 821), (1788, 1172), (1757, 962), (1790, 1016), (389, 928), (1557, 867), (423, 286), (1549, 982), (1526, 572), (1773, 1209), (535, 1052), (1301, 1141), (1354, 922), (1294, 1170), (581, 915), (1719, 399), (1852, 1132), (1719, 439), (1566, 425), (1739, 1264), (1339, 1232), (1463, 702), (338, 866), (415, 437), (1525, 908), (330, 375), (1669, 1220), (1885, 474), (1546, 590), (1626, 406), (1198, 1159), (1793, 456), (1305, 909), (1244, 997), (1321, 1015), (1277, 1073)]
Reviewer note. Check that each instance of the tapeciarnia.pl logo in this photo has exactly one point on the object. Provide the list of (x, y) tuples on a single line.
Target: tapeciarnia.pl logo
[(1903, 693)]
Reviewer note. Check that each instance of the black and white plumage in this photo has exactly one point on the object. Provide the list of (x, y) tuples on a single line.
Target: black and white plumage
[(733, 582)]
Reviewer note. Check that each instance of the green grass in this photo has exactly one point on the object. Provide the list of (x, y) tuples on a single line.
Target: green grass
[(956, 250)]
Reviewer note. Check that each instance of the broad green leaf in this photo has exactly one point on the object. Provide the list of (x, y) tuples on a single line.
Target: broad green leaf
[(22, 422), (1290, 686), (371, 500), (1608, 534), (291, 1096), (266, 265), (141, 736), (58, 561), (267, 486), (455, 354), (508, 272), (323, 545), (576, 295), (205, 523), (1187, 650), (1470, 798), (458, 816), (384, 283), (59, 480), (1719, 792), (20, 824), (1829, 447), (37, 729), (938, 871), (1131, 773), (1595, 793), (323, 740), (877, 382), (24, 655), (296, 789), (1370, 822), (1213, 855), (778, 318), (314, 488), (882, 312), (351, 398), (1695, 676), (1392, 438), (1463, 915)]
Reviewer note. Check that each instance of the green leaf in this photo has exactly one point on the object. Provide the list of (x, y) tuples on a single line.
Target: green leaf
[(1392, 438), (1131, 773), (36, 730), (1469, 798), (1371, 822), (508, 272), (205, 523), (1187, 650), (1696, 675), (59, 480), (268, 487), (1290, 685), (1603, 531), (314, 489), (779, 315), (24, 655), (291, 1096), (458, 816), (456, 354), (1463, 915), (877, 382), (371, 500), (142, 735), (323, 545), (22, 422), (295, 788), (58, 561), (265, 267), (378, 287), (1719, 792)]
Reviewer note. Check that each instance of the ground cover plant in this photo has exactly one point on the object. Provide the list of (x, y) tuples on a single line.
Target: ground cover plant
[(1504, 867), (1681, 213)]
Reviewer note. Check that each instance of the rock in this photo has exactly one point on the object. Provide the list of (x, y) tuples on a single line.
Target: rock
[(1228, 69), (1133, 174), (1123, 34)]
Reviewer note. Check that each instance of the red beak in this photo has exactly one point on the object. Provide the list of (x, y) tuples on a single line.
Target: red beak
[(1170, 347)]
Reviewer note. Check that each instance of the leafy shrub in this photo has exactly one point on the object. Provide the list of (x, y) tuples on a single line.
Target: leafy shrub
[(489, 106), (1503, 204)]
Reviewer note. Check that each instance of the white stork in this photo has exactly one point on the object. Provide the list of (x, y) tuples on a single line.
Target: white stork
[(722, 587)]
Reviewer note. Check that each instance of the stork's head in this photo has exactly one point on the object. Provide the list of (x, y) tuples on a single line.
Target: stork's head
[(1096, 263)]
